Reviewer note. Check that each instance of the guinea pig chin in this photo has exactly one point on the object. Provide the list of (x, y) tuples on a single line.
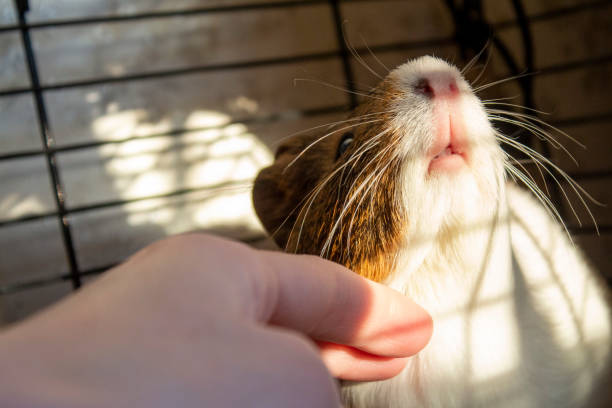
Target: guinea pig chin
[(458, 177)]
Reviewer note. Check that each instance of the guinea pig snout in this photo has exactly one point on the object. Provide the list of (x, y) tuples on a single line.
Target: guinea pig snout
[(436, 85), (429, 76)]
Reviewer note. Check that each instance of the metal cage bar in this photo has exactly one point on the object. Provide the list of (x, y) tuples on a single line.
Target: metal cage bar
[(48, 142)]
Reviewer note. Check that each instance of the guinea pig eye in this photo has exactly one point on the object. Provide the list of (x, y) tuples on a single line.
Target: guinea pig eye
[(345, 142)]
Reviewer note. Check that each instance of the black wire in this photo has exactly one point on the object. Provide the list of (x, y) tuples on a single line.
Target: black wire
[(48, 143), (194, 69), (471, 29), (344, 53), (555, 13), (527, 86), (528, 52), (165, 14), (472, 32)]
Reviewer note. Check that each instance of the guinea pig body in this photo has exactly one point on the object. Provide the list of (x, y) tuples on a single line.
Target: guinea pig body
[(411, 191)]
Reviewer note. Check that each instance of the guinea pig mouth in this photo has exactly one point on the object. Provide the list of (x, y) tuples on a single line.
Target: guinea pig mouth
[(448, 158), (448, 150)]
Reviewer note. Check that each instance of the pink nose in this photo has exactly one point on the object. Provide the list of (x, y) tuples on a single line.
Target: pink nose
[(436, 86)]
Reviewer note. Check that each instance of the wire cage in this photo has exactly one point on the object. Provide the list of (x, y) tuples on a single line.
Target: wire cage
[(115, 118)]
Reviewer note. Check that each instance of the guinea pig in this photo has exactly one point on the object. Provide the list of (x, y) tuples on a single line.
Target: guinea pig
[(414, 190)]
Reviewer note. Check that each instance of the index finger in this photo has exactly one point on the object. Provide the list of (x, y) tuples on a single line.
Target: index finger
[(329, 302)]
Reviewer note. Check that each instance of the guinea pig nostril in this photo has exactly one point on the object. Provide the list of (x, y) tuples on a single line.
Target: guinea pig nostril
[(424, 87)]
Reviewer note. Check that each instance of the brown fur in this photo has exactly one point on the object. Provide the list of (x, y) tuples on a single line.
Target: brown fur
[(281, 196)]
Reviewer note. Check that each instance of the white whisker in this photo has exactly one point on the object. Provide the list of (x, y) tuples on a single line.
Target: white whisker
[(374, 183), (578, 190), (542, 135), (313, 194), (528, 174), (493, 100), (514, 105), (484, 68), (475, 58), (355, 53), (330, 124), (501, 81), (316, 81), (547, 204), (529, 118), (354, 195), (324, 137), (373, 55)]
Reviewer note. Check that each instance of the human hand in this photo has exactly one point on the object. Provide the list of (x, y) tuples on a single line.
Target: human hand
[(197, 321)]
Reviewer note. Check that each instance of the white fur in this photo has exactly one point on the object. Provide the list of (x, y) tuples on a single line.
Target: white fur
[(520, 320)]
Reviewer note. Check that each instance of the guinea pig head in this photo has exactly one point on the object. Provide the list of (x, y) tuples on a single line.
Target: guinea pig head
[(408, 161)]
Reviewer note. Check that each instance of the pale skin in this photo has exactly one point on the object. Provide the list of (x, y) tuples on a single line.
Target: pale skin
[(198, 321)]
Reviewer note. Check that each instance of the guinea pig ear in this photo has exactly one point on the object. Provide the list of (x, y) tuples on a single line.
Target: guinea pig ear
[(273, 195), (269, 201), (280, 188)]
